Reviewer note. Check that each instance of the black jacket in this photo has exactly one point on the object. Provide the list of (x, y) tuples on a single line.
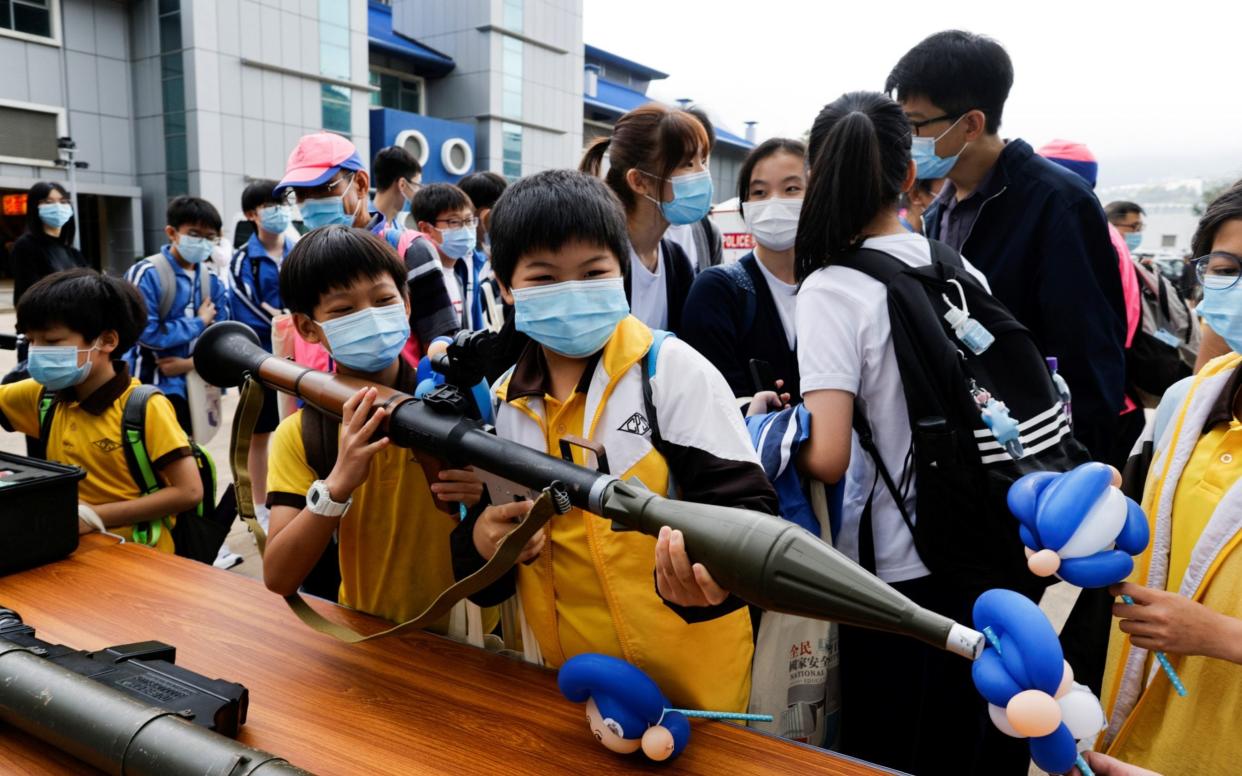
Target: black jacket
[(1042, 241), (715, 324), (678, 277), (35, 256)]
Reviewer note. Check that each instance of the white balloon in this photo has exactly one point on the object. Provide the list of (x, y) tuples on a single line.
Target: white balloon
[(1099, 528), (1081, 712), (1001, 720)]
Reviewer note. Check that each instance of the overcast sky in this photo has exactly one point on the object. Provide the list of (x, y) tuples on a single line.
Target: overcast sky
[(1152, 89)]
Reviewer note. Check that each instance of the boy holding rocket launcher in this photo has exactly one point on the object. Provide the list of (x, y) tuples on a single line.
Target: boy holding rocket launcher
[(347, 291), (663, 415)]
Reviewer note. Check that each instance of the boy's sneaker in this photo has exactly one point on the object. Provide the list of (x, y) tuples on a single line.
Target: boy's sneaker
[(226, 558)]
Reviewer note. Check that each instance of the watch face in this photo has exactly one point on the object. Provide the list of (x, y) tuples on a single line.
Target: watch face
[(314, 497)]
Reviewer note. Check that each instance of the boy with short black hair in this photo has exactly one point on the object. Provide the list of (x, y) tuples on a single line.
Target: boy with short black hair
[(77, 322), (182, 298), (254, 273), (559, 245), (446, 215), (397, 177), (347, 291)]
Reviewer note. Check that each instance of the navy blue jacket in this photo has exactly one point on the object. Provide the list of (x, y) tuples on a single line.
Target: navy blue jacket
[(715, 324), (1042, 241)]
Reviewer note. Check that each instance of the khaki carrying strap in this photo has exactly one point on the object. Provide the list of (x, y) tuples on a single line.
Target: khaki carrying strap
[(506, 556)]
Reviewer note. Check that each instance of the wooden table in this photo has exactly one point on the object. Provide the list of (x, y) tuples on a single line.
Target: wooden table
[(415, 704)]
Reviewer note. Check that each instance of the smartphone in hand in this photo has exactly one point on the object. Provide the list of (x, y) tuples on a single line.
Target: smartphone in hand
[(762, 376)]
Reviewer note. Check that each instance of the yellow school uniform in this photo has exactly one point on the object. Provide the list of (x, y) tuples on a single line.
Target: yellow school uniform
[(393, 543), (592, 588), (1193, 499), (87, 434)]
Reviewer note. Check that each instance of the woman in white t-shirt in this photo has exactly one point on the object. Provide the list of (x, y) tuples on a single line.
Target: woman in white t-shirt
[(905, 704), (657, 166)]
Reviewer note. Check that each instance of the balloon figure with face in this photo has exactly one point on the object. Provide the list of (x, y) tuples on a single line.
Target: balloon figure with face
[(1078, 526), (624, 708), (1029, 686)]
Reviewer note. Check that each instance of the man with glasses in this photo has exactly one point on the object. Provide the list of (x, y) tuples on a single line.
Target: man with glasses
[(446, 215), (326, 179), (1036, 230), (183, 298), (1127, 218)]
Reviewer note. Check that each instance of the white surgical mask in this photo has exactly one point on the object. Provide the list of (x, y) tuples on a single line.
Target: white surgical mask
[(773, 222)]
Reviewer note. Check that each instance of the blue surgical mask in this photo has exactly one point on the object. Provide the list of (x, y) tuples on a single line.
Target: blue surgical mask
[(1134, 240), (324, 212), (194, 250), (368, 340), (458, 243), (574, 318), (55, 214), (1222, 309), (923, 152), (692, 197), (55, 367), (275, 218)]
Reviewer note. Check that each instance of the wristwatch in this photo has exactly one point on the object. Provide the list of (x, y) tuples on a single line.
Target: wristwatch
[(319, 501)]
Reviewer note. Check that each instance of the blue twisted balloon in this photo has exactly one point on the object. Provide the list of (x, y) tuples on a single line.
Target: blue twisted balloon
[(1091, 526), (1030, 658)]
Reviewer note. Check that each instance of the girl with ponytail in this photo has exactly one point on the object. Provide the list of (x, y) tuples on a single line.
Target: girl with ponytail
[(859, 165), (657, 166)]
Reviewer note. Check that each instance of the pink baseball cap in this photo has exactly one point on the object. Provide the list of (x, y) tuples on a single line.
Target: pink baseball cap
[(316, 159)]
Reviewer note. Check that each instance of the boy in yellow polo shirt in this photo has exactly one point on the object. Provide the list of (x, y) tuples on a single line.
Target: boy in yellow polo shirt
[(76, 321), (347, 291), (558, 246)]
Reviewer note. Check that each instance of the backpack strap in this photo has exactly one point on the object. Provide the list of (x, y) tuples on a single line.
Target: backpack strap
[(737, 273), (321, 440), (943, 254), (47, 410), (168, 282), (407, 238), (875, 264), (134, 445), (866, 530), (649, 363)]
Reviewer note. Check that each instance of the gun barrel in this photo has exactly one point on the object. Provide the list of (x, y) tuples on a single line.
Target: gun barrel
[(766, 561), (113, 732)]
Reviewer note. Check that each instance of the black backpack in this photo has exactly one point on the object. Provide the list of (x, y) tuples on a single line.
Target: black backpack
[(964, 531), (1166, 343)]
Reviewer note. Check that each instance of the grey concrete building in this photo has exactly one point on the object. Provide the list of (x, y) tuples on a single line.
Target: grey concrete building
[(201, 97)]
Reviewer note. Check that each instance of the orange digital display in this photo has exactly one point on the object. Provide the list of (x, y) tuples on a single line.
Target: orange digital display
[(14, 204)]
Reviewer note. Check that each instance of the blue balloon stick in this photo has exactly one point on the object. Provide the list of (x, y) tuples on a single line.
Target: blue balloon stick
[(724, 715), (992, 638), (1169, 671), (1083, 767)]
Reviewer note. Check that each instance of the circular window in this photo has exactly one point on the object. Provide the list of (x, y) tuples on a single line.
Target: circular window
[(416, 143), (456, 156)]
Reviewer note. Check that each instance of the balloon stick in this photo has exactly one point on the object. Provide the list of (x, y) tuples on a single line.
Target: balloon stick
[(992, 639), (1164, 662), (1083, 767), (724, 715)]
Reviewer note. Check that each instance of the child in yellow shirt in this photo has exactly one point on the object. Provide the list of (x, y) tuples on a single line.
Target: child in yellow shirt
[(347, 291), (76, 322)]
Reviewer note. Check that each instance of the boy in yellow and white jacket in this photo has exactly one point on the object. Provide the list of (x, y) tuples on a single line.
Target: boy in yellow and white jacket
[(558, 241)]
